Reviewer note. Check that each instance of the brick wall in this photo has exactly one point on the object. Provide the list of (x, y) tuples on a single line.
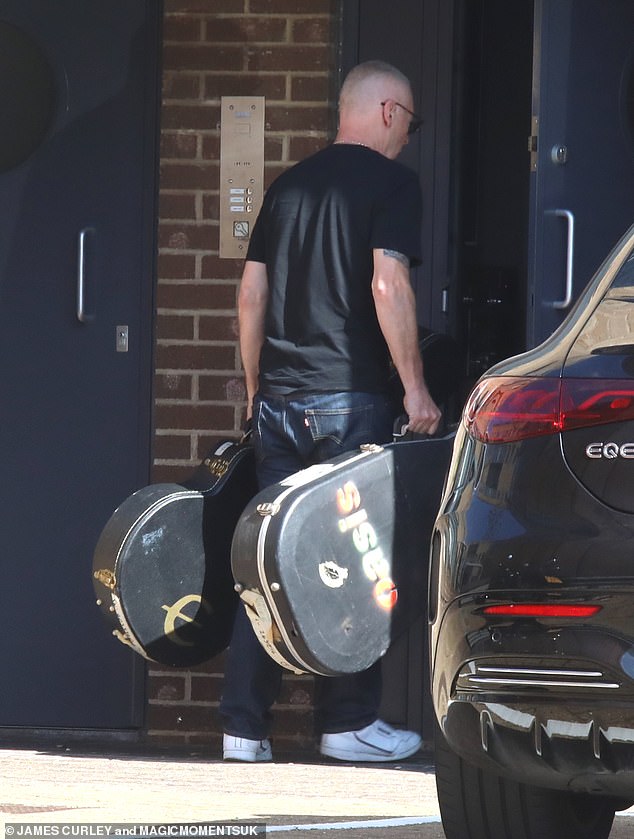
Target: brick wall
[(284, 50)]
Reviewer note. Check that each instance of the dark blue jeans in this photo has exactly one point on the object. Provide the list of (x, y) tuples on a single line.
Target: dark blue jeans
[(289, 434)]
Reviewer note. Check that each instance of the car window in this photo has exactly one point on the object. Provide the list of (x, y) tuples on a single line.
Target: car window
[(604, 347), (625, 277)]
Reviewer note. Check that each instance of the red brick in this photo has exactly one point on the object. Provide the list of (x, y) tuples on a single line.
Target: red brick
[(273, 148), (298, 720), (194, 357), (173, 327), (206, 688), (217, 388), (298, 117), (211, 147), (310, 88), (179, 205), (172, 447), (301, 147), (291, 7), (172, 740), (209, 743), (170, 474), (182, 145), (288, 57), (205, 6), (193, 416), (162, 688), (182, 718), (272, 86), (297, 690), (198, 237), (173, 386), (181, 86), (203, 57), (181, 28), (187, 117), (246, 29), (211, 206), (176, 266), (247, 55), (190, 176), (213, 267), (196, 296), (313, 30), (218, 328)]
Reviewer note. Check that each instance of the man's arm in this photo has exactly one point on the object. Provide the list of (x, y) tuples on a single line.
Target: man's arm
[(396, 312), (252, 301)]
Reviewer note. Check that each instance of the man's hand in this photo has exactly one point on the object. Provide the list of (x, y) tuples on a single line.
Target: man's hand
[(423, 414)]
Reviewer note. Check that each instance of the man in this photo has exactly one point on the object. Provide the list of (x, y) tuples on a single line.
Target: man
[(325, 301)]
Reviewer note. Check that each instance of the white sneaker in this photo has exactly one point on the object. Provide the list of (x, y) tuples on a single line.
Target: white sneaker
[(239, 748), (374, 743)]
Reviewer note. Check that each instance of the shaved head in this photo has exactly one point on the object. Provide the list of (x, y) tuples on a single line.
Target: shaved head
[(369, 80), (375, 105)]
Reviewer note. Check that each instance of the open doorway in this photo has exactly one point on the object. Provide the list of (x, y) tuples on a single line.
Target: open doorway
[(490, 179), (471, 63)]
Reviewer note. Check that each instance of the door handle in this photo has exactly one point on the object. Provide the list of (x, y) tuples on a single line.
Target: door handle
[(82, 314), (570, 253)]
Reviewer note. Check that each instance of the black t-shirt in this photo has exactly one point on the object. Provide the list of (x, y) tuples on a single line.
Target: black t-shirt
[(318, 225)]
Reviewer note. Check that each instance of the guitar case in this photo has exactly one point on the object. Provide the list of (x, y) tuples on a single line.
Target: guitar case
[(331, 563), (161, 568)]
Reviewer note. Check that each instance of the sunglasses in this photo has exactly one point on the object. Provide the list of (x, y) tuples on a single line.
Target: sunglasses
[(415, 121)]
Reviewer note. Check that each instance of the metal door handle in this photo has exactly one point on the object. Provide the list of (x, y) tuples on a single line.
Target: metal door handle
[(570, 253), (82, 314)]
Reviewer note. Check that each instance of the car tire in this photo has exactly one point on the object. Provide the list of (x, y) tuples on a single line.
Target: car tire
[(478, 804)]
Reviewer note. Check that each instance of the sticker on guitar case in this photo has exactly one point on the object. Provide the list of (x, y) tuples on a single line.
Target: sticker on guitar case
[(332, 575)]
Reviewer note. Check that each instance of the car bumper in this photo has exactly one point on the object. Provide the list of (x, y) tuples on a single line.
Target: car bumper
[(549, 704), (591, 750)]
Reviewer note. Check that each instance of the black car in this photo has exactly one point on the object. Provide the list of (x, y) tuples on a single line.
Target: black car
[(531, 601)]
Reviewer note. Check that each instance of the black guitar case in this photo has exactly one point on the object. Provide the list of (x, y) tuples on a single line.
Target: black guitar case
[(161, 567), (332, 562)]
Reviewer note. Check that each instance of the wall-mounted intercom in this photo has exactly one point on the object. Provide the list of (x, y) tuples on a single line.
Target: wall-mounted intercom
[(241, 171)]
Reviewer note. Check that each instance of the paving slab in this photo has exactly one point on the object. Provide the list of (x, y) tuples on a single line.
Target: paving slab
[(78, 786), (84, 788)]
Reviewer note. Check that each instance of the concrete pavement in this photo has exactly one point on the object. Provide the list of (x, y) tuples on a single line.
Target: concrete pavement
[(70, 785)]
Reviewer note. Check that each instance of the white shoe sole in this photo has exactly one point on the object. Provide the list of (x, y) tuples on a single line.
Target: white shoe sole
[(247, 757), (359, 756), (260, 754)]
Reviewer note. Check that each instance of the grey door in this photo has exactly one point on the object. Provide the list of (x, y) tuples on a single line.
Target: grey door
[(582, 184), (77, 184)]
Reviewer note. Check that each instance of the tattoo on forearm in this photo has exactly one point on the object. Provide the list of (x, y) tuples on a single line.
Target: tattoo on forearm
[(396, 255)]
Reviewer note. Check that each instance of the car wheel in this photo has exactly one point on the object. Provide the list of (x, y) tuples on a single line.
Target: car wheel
[(478, 804)]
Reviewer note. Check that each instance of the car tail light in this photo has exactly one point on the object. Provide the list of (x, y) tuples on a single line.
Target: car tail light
[(504, 409), (543, 610)]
